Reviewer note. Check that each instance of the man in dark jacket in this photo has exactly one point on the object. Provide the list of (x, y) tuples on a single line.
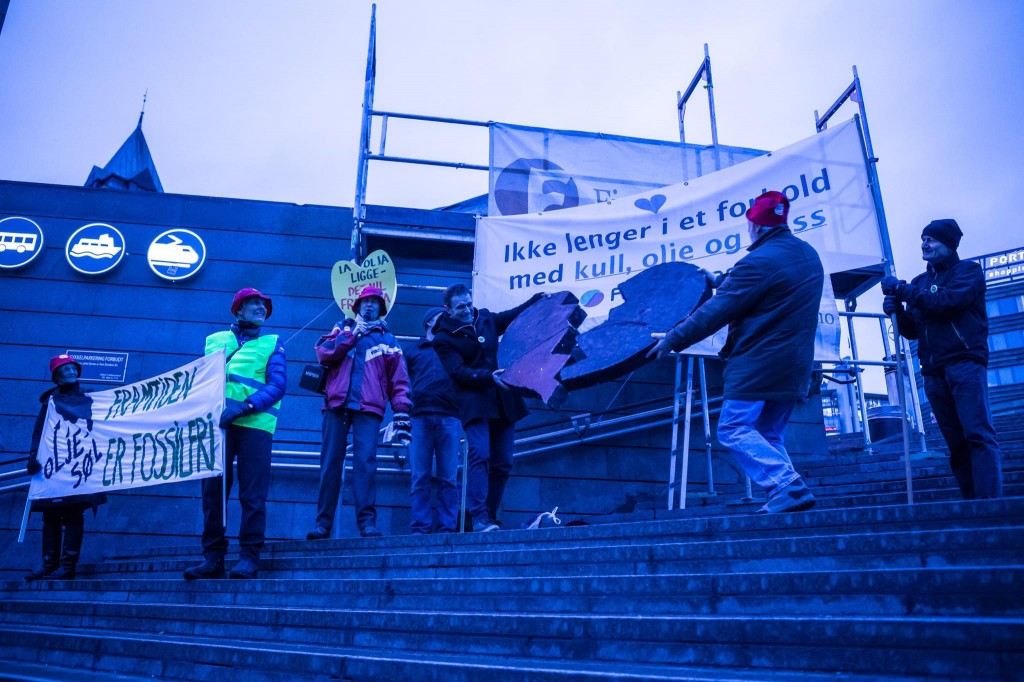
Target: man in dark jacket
[(770, 300), (945, 312), (257, 376), (63, 514), (467, 343), (435, 430), (365, 371)]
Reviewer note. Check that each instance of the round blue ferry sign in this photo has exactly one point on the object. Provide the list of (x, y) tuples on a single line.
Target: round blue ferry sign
[(176, 254), (95, 248), (21, 240)]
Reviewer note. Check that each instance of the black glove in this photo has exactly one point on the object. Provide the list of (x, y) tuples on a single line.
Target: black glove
[(402, 426), (233, 412), (33, 466), (891, 285), (891, 305)]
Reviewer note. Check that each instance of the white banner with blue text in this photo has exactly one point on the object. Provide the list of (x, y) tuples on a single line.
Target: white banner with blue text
[(589, 250), (159, 430)]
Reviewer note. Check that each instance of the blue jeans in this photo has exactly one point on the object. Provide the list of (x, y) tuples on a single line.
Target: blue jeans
[(434, 434), (754, 433), (959, 399), (490, 462), (365, 426)]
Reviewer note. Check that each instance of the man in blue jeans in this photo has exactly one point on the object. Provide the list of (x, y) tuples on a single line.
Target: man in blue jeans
[(945, 312), (435, 431), (467, 343), (770, 301)]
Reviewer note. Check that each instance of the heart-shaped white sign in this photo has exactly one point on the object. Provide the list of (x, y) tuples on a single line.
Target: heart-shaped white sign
[(348, 279)]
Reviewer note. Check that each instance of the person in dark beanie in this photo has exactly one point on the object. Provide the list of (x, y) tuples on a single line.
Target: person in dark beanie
[(436, 431), (943, 308), (257, 376), (770, 301), (365, 371), (63, 517)]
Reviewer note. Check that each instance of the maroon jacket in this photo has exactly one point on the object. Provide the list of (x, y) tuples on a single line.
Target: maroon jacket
[(364, 372)]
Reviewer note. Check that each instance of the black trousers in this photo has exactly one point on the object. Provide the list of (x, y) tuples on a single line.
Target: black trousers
[(959, 399), (251, 449)]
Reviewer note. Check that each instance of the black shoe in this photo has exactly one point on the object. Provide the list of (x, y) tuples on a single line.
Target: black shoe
[(370, 531), (246, 569), (484, 525), (318, 533), (208, 570)]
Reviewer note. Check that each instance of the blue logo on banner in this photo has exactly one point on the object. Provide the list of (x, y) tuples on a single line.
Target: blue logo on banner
[(21, 240), (95, 249), (176, 254)]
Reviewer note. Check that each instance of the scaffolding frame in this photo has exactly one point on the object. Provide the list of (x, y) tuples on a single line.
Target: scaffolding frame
[(703, 74)]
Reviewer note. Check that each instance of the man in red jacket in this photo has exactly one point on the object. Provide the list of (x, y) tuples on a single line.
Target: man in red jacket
[(365, 370)]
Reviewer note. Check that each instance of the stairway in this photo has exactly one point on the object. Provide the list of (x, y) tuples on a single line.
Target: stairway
[(875, 592)]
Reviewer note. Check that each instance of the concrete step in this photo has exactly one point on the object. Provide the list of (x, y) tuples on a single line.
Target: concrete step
[(670, 526), (960, 648), (976, 546), (919, 591), (179, 657)]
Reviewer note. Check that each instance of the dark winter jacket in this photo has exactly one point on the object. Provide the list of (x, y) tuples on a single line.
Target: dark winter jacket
[(946, 314), (469, 352), (770, 300), (432, 389), (364, 372), (70, 400)]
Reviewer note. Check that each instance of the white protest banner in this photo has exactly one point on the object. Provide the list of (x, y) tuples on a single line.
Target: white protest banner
[(540, 169), (159, 430), (589, 250)]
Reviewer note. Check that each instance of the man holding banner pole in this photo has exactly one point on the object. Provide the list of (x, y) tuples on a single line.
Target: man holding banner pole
[(256, 381), (945, 313), (770, 301)]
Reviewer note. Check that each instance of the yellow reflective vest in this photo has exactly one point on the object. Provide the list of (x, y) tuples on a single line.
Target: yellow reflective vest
[(247, 373)]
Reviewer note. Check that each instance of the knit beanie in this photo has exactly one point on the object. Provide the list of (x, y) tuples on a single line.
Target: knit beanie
[(945, 231), (431, 314)]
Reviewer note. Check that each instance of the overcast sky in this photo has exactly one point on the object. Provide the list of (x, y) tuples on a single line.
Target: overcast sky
[(261, 99)]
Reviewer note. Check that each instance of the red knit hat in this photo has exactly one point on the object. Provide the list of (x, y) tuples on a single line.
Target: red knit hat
[(370, 291), (61, 360), (249, 292), (769, 209)]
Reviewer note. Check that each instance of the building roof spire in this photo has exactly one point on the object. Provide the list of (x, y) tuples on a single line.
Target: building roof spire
[(131, 168), (143, 112)]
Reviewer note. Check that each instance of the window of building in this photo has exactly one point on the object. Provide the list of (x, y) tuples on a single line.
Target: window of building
[(1009, 305), (1006, 340), (1006, 376)]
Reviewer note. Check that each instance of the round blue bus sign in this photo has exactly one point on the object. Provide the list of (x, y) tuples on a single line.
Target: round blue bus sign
[(95, 248), (21, 240), (176, 254)]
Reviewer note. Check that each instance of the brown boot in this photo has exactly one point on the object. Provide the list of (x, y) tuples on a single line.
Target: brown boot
[(69, 558)]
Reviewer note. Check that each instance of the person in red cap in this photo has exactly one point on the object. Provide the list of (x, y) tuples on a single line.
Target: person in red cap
[(770, 301), (945, 312), (257, 376), (365, 370), (63, 517)]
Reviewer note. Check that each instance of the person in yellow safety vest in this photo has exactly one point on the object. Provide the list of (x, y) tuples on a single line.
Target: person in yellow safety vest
[(256, 380)]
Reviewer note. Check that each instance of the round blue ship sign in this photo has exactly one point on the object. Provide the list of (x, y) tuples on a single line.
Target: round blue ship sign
[(95, 248), (176, 254), (21, 240)]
